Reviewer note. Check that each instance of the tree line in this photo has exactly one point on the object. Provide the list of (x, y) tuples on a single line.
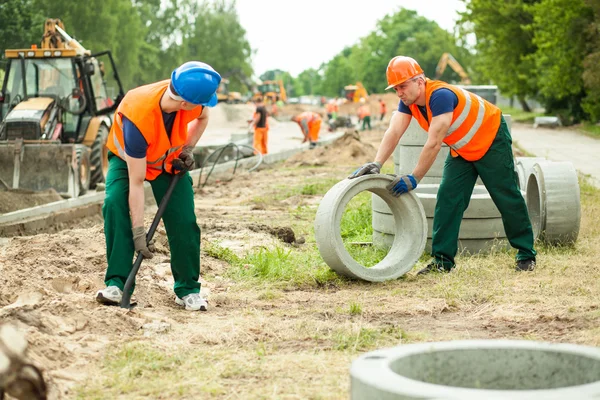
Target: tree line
[(546, 50)]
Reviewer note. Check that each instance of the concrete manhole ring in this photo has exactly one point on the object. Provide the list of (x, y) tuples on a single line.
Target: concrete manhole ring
[(553, 202), (478, 369), (410, 235)]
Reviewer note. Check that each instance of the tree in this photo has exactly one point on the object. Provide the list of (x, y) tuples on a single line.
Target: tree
[(219, 39), (504, 44), (559, 34), (308, 82), (21, 24)]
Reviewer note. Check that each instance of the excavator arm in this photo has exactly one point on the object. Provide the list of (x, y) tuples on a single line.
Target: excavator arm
[(447, 59)]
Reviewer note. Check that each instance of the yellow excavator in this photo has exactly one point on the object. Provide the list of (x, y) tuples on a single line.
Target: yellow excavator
[(56, 109), (354, 93), (271, 91), (447, 59)]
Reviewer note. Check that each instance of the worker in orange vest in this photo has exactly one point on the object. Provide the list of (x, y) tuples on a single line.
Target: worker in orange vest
[(154, 125), (364, 114), (332, 109), (480, 144), (382, 109), (310, 124), (261, 127)]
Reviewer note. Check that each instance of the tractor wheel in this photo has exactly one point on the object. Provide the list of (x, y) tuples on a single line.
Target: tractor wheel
[(99, 157), (83, 164)]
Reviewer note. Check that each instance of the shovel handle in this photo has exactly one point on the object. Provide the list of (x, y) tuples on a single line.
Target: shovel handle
[(126, 299)]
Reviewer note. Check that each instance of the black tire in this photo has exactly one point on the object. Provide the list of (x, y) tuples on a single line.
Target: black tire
[(99, 157), (83, 162)]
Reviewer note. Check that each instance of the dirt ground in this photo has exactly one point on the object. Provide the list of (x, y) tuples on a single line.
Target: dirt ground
[(271, 340)]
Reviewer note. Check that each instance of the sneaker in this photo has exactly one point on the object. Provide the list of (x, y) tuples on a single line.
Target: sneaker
[(110, 295), (433, 267), (192, 302), (525, 265)]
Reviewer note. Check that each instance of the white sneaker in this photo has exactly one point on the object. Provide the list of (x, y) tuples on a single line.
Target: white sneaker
[(110, 295), (192, 302)]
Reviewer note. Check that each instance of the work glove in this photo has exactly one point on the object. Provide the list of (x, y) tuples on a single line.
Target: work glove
[(139, 242), (402, 184), (369, 168), (187, 157)]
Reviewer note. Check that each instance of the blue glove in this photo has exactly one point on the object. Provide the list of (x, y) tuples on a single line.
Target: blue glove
[(402, 184), (368, 168)]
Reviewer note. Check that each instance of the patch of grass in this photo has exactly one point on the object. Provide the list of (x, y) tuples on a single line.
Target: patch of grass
[(269, 295), (590, 129), (357, 231), (279, 265), (359, 338), (355, 309), (310, 187), (519, 115)]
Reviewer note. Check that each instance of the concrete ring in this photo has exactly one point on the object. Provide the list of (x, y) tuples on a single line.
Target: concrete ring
[(409, 239), (478, 369), (553, 202), (524, 168)]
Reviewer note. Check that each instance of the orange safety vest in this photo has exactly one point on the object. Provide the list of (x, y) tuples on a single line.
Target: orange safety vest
[(475, 122), (382, 107), (142, 107), (364, 111)]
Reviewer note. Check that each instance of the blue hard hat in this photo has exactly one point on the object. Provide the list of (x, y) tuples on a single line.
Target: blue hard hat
[(196, 83)]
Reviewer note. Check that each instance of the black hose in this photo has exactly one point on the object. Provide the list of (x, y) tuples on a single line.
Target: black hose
[(220, 150)]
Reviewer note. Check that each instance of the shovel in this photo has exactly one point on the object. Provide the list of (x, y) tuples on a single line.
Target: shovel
[(177, 165)]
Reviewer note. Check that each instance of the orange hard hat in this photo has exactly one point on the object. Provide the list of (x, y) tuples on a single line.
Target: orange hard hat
[(400, 69)]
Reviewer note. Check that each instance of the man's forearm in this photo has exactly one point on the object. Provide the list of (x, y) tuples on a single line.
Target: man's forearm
[(195, 130), (387, 146), (136, 203)]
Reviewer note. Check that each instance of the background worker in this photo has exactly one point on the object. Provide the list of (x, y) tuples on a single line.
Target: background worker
[(364, 114), (382, 109), (310, 124), (261, 127), (332, 109), (154, 125), (480, 144)]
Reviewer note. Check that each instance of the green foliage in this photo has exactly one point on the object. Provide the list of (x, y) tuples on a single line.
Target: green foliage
[(219, 39), (21, 24)]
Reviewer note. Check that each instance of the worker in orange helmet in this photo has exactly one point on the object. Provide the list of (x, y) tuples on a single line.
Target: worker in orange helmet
[(261, 127), (310, 124), (480, 146)]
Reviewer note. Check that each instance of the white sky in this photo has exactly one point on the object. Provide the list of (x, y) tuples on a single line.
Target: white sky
[(294, 36)]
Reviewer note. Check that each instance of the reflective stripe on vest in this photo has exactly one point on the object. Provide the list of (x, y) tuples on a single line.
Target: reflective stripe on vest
[(463, 116)]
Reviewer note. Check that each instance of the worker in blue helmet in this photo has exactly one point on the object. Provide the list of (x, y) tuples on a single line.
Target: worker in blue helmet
[(154, 125)]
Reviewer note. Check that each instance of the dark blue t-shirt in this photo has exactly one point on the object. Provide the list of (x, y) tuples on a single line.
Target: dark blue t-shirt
[(135, 142), (442, 101)]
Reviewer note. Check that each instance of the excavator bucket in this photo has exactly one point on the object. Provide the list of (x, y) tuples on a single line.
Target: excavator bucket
[(40, 165)]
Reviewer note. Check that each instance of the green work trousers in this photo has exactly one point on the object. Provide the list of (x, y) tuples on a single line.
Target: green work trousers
[(366, 122), (496, 169), (179, 219)]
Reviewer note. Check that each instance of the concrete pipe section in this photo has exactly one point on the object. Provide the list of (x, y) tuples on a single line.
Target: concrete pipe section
[(406, 157), (476, 370), (524, 168), (410, 234), (553, 202), (481, 228)]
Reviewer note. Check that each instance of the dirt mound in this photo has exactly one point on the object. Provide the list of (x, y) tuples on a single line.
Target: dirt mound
[(17, 199), (293, 109), (347, 150)]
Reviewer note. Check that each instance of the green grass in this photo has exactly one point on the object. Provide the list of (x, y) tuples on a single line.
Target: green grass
[(590, 129), (519, 115), (357, 231)]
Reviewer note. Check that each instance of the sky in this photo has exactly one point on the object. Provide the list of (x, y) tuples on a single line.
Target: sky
[(296, 35)]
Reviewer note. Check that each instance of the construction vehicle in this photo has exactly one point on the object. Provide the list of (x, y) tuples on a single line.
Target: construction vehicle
[(353, 93), (56, 109), (271, 91), (447, 59), (224, 95)]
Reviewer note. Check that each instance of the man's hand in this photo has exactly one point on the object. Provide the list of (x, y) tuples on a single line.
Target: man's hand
[(402, 184), (187, 157), (139, 242), (369, 168)]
